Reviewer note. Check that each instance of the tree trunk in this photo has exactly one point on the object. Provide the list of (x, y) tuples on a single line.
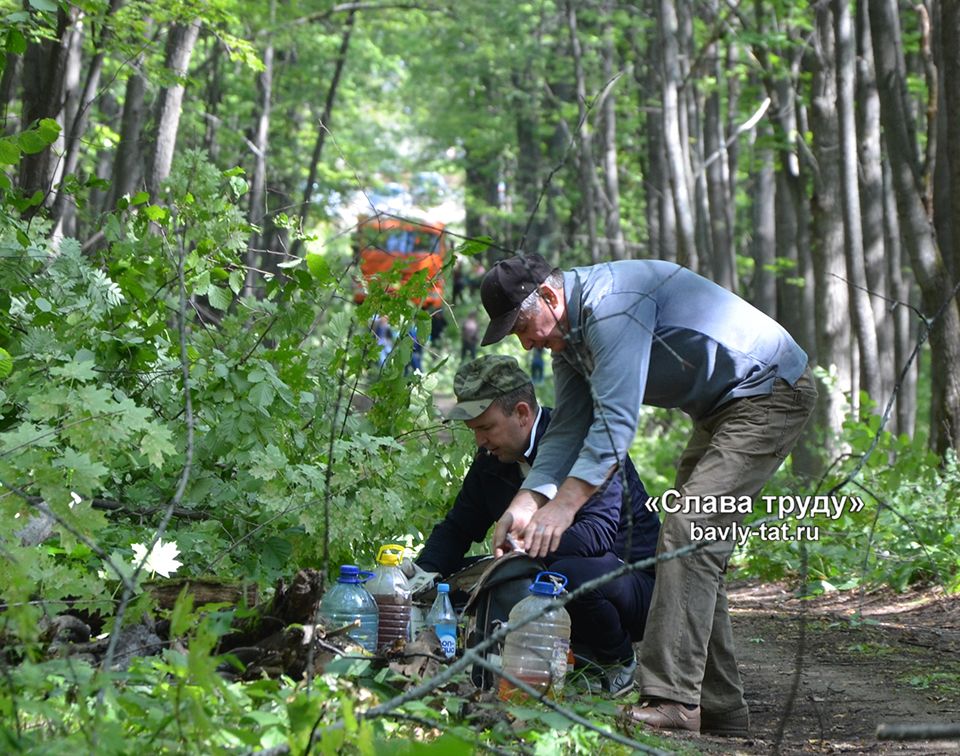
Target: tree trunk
[(75, 127), (723, 260), (871, 204), (937, 295), (765, 234), (44, 68), (660, 237), (589, 184), (258, 181), (862, 311), (902, 315), (322, 128), (129, 161), (213, 97), (8, 89), (67, 115), (611, 175), (181, 40), (950, 162), (832, 305), (673, 145)]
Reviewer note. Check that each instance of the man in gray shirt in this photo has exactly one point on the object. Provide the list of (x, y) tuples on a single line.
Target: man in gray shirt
[(651, 332)]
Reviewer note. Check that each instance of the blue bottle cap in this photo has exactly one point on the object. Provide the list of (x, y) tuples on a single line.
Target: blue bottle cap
[(543, 585), (443, 588), (349, 573)]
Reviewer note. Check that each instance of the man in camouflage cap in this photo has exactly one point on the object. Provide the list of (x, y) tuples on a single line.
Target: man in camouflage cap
[(496, 400)]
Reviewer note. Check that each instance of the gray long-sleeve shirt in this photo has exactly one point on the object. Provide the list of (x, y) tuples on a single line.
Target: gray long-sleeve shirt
[(650, 332)]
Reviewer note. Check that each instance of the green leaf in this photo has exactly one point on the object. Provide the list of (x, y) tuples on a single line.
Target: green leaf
[(84, 475), (139, 198), (219, 297), (16, 42), (43, 304), (44, 5), (237, 278), (6, 363), (261, 395), (155, 213), (76, 370), (49, 130), (9, 152), (31, 142), (156, 444)]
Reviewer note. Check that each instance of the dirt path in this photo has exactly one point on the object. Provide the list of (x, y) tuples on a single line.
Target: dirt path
[(880, 658)]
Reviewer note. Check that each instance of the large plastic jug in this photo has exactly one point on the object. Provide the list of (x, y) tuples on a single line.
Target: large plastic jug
[(348, 601), (391, 591), (442, 617), (537, 652)]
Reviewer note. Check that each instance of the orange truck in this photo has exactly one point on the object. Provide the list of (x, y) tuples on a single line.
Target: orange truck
[(383, 242)]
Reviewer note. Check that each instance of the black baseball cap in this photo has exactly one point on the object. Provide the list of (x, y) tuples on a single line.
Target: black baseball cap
[(504, 288)]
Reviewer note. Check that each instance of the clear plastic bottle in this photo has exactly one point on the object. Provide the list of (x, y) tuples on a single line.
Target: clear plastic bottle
[(443, 619), (391, 590), (348, 601), (536, 653)]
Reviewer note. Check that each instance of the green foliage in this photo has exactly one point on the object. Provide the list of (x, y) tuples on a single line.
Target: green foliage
[(905, 534)]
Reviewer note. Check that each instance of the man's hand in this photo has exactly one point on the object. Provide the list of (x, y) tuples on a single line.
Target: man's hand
[(515, 520), (543, 531)]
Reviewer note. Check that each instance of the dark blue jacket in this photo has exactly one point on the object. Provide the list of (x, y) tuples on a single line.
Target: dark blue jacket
[(601, 526)]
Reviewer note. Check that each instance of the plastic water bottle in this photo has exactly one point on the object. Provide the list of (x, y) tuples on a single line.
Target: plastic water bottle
[(391, 591), (537, 652), (443, 619), (348, 601)]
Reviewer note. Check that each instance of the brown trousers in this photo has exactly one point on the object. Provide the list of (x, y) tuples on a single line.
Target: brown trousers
[(687, 653)]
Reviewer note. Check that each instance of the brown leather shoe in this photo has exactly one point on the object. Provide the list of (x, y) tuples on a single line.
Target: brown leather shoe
[(665, 715), (729, 724)]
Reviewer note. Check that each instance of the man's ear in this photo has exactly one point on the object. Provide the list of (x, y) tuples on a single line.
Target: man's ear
[(548, 295), (524, 411)]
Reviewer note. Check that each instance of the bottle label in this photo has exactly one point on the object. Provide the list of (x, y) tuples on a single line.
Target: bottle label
[(447, 635)]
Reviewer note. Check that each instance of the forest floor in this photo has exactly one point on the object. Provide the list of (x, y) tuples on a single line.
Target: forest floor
[(880, 657)]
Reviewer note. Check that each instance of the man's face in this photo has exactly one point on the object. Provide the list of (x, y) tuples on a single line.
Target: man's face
[(506, 436), (543, 326)]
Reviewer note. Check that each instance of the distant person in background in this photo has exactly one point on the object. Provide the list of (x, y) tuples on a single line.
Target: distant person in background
[(536, 366), (469, 336), (438, 324), (459, 281), (384, 333), (416, 356)]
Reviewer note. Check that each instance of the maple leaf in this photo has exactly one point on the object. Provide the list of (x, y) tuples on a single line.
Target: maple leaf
[(160, 561)]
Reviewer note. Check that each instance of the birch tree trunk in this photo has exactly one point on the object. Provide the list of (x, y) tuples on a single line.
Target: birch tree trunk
[(181, 40), (937, 295), (862, 311)]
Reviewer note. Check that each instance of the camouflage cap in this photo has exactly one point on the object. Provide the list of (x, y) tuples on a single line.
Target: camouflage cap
[(478, 383)]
